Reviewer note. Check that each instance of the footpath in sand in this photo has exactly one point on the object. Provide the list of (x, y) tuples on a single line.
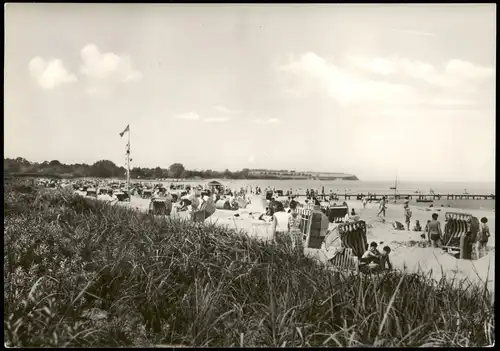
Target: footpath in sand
[(404, 255)]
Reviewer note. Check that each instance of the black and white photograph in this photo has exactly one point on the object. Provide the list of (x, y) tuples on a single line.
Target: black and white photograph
[(249, 175)]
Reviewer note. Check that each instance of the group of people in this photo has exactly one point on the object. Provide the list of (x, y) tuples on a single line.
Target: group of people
[(374, 256), (475, 236), (294, 233)]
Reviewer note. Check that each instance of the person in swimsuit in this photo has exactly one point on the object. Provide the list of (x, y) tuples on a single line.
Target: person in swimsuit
[(382, 208), (434, 232)]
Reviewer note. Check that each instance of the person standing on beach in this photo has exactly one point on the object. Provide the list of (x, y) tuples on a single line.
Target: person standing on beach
[(382, 208), (364, 202), (294, 232), (482, 237), (408, 214), (434, 232)]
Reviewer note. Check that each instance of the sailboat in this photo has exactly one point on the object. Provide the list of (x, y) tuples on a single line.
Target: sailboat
[(395, 188)]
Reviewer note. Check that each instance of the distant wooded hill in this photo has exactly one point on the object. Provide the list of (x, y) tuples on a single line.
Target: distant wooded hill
[(107, 169)]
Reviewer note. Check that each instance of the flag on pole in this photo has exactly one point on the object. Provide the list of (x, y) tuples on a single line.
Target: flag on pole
[(126, 130)]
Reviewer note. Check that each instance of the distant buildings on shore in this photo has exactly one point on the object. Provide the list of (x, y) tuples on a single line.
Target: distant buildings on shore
[(263, 173)]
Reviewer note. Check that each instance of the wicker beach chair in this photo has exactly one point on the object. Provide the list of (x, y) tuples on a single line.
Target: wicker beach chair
[(147, 193), (311, 227), (122, 196), (91, 192), (344, 260), (457, 224), (103, 191), (460, 232), (353, 245), (160, 206), (336, 214)]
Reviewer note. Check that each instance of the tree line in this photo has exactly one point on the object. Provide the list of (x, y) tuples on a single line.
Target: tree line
[(108, 169)]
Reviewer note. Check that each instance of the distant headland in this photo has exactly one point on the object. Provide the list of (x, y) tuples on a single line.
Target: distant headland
[(107, 169), (286, 174)]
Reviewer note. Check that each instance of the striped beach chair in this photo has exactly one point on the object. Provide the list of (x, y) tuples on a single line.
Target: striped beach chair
[(354, 244), (457, 224), (305, 215), (460, 232)]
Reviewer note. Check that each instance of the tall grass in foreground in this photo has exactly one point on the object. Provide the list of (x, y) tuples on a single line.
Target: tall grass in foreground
[(83, 273)]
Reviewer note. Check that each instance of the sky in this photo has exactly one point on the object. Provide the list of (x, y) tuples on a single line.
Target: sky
[(378, 91)]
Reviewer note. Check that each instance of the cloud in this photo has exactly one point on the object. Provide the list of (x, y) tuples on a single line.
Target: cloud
[(454, 73), (224, 109), (194, 116), (414, 32), (190, 116), (315, 75), (104, 70), (50, 74), (268, 121), (216, 119), (386, 81)]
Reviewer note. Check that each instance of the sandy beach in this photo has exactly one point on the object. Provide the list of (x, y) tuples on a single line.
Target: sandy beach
[(404, 255)]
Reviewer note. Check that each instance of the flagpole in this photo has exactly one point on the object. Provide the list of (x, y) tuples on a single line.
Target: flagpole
[(128, 161)]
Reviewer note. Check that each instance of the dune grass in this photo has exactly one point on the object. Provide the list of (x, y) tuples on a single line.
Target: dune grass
[(83, 273)]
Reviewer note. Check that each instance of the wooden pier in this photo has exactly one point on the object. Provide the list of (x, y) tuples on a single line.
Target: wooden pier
[(377, 197)]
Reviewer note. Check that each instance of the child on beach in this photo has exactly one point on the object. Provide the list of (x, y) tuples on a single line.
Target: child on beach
[(434, 232), (427, 225), (417, 227), (482, 237)]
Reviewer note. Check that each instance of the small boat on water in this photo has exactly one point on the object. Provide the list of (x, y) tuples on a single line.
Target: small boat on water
[(424, 200)]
